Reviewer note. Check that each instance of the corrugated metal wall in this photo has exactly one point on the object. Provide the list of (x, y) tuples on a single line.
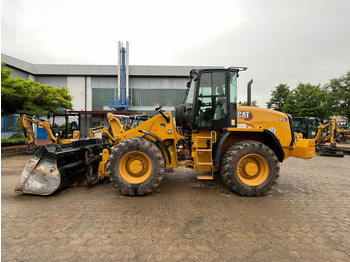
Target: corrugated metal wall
[(19, 74), (157, 83), (104, 82), (165, 97), (100, 97), (144, 91), (102, 88), (54, 81)]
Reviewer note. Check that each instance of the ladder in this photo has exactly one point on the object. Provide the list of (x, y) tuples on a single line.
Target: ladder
[(204, 155)]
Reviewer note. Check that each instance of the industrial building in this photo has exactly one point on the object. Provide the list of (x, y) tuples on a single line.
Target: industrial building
[(95, 87)]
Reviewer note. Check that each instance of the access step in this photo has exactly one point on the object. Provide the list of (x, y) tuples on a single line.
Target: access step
[(205, 175)]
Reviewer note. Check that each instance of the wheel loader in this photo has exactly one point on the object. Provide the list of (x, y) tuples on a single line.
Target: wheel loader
[(210, 135)]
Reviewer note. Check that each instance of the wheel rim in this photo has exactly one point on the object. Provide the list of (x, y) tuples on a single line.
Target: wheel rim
[(252, 169), (135, 167)]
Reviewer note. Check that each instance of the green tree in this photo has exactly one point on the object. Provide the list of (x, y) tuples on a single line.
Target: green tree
[(308, 100), (339, 95), (278, 97), (254, 103), (19, 96)]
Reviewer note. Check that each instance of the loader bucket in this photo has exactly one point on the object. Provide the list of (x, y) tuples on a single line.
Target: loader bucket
[(56, 166)]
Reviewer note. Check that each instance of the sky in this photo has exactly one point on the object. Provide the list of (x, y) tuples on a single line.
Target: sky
[(280, 41)]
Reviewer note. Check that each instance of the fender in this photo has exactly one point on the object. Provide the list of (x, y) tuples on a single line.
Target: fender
[(158, 141), (267, 136)]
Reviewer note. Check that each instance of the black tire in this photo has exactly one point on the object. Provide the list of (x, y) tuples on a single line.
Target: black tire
[(136, 166), (239, 163)]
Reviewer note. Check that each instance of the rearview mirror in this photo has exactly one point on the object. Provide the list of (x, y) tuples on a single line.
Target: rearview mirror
[(157, 107)]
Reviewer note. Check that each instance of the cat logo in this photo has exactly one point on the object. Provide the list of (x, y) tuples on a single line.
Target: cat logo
[(246, 115)]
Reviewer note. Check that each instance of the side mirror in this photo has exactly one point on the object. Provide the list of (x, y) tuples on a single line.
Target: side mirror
[(157, 107)]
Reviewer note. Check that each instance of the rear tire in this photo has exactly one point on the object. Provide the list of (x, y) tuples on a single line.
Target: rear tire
[(249, 168), (136, 166)]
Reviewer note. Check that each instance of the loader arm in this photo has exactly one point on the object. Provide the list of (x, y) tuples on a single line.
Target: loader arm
[(104, 130), (116, 126)]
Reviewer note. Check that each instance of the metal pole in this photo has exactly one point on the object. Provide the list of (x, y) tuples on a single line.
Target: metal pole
[(123, 76), (119, 64), (127, 70)]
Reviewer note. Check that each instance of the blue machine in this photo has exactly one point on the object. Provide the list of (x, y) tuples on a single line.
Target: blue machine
[(122, 102)]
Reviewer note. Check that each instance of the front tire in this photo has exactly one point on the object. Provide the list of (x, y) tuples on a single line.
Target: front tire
[(136, 166), (249, 168)]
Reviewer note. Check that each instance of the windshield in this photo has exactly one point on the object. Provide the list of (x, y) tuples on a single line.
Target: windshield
[(189, 99)]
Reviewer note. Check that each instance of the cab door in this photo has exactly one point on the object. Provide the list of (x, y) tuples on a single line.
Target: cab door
[(215, 104)]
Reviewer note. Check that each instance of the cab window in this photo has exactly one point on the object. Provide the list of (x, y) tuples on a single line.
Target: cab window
[(233, 87), (211, 103), (189, 100)]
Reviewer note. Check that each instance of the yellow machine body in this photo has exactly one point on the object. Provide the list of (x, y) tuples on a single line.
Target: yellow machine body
[(280, 125), (250, 127), (211, 133)]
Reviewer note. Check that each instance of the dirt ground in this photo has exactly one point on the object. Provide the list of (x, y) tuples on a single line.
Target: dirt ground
[(306, 217)]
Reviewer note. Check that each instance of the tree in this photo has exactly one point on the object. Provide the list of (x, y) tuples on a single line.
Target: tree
[(339, 95), (308, 100), (254, 103), (278, 97), (19, 96)]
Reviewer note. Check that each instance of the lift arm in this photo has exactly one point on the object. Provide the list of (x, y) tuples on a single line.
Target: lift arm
[(103, 129), (116, 126)]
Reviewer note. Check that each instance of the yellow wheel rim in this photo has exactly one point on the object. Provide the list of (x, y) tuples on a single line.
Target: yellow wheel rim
[(252, 169), (135, 167)]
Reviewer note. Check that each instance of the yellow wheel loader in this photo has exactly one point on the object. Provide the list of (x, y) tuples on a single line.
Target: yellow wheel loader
[(211, 134)]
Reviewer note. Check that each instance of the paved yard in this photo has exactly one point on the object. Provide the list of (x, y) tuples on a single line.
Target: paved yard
[(306, 217)]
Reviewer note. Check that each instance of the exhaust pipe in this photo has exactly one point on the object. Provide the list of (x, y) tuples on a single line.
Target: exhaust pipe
[(249, 93)]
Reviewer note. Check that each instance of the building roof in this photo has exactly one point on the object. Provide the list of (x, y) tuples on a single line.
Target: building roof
[(95, 70)]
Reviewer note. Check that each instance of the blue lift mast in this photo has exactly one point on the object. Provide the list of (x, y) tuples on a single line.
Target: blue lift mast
[(122, 102)]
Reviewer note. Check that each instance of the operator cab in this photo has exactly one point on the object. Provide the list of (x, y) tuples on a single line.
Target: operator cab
[(211, 100)]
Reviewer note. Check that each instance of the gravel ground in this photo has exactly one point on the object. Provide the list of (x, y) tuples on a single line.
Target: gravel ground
[(306, 217)]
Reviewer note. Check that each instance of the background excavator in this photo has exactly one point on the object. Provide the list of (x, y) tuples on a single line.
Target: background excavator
[(27, 122), (327, 137), (212, 134), (344, 134)]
